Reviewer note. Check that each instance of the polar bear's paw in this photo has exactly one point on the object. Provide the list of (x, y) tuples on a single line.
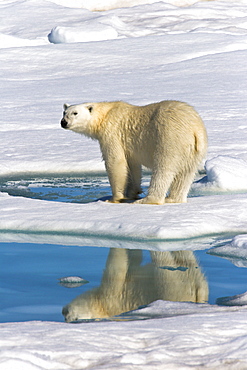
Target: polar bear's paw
[(177, 200), (149, 200), (111, 200), (122, 200)]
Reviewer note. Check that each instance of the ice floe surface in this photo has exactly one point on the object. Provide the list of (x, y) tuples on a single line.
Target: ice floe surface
[(235, 251), (215, 337), (227, 173)]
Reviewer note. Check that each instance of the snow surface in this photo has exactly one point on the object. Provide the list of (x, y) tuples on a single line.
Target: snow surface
[(227, 173), (57, 51), (208, 338)]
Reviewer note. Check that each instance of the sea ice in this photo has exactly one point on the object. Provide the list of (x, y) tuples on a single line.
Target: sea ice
[(155, 51), (228, 173), (235, 251), (72, 281), (90, 32), (236, 300)]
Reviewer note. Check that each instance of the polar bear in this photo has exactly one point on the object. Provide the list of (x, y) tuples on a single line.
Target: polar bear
[(127, 284), (168, 137)]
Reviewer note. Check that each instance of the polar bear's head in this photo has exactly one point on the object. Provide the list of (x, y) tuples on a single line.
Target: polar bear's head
[(77, 117), (86, 306), (75, 312)]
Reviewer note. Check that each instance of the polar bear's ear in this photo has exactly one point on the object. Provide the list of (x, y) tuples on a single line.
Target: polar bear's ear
[(65, 106)]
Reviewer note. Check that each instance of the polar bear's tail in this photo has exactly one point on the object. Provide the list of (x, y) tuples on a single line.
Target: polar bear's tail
[(201, 142)]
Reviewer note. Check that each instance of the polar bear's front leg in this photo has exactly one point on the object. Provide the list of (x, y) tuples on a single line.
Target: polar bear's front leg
[(134, 180), (117, 171)]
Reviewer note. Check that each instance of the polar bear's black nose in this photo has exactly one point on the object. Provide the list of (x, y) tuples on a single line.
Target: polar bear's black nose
[(64, 123), (65, 310)]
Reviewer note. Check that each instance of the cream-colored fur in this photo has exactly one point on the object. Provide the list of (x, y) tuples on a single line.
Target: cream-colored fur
[(126, 284), (168, 137)]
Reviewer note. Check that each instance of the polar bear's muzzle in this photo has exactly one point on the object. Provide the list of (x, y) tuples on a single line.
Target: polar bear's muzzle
[(64, 123)]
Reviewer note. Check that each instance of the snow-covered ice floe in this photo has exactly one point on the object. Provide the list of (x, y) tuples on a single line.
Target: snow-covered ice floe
[(235, 251), (198, 337), (72, 281), (178, 221), (175, 222), (236, 300), (227, 173)]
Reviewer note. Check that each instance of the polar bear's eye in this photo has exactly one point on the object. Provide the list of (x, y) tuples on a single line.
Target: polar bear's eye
[(75, 113), (90, 109)]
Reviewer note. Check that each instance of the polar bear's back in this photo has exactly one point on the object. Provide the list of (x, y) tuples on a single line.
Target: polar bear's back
[(183, 121), (168, 114)]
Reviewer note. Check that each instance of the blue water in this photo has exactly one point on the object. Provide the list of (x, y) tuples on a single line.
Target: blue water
[(30, 273), (62, 189)]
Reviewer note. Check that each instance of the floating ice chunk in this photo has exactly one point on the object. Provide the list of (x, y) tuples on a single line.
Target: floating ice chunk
[(72, 281), (227, 172), (235, 300), (236, 251), (90, 32), (240, 241), (237, 247)]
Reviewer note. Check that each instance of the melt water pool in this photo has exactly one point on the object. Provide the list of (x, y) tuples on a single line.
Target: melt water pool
[(31, 289)]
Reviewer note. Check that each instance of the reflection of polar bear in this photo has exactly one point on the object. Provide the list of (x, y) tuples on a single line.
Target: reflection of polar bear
[(126, 284), (168, 137)]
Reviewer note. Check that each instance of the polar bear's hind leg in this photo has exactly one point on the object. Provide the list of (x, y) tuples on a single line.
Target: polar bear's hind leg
[(180, 187)]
